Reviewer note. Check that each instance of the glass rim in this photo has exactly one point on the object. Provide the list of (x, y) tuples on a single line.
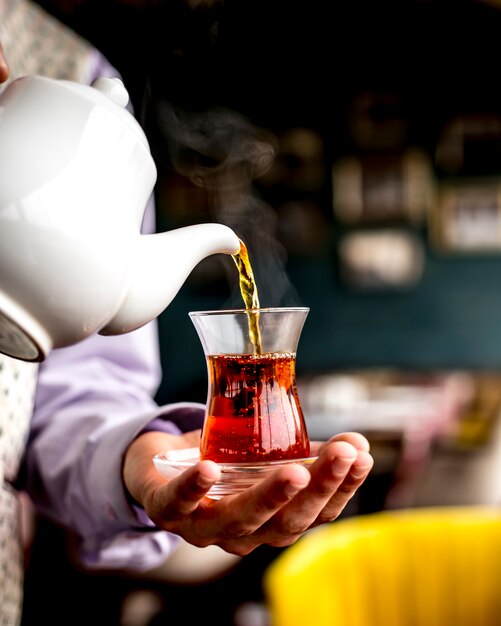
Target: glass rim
[(285, 309)]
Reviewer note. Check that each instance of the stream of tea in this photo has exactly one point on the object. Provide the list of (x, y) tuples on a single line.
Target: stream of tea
[(253, 412), (248, 289)]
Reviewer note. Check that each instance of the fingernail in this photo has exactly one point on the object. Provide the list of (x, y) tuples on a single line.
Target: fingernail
[(361, 471), (203, 483), (291, 489), (340, 465)]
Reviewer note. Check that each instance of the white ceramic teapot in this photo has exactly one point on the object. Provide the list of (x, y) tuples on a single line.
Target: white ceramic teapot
[(76, 174)]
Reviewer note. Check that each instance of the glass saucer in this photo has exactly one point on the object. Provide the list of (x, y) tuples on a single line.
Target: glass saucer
[(234, 477)]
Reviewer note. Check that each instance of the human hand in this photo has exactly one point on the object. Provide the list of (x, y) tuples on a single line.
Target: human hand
[(4, 68), (275, 511)]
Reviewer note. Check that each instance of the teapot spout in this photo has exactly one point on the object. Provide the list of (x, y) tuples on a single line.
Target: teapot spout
[(160, 265)]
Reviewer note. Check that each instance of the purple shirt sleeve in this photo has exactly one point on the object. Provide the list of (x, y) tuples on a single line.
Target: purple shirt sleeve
[(92, 400)]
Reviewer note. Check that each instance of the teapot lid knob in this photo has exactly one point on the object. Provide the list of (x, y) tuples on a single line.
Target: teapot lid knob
[(113, 88)]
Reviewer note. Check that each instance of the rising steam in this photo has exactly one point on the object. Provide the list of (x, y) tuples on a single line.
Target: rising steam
[(224, 152)]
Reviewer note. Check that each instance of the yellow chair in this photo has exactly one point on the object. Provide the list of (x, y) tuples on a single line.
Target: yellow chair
[(414, 567)]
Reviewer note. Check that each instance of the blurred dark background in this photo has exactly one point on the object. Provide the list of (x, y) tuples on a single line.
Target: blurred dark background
[(376, 83), (381, 211)]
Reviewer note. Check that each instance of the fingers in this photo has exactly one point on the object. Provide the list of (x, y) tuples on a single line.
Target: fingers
[(355, 477), (343, 464), (357, 440), (234, 523), (327, 475), (262, 501), (357, 474), (237, 521), (179, 498), (275, 511), (335, 476)]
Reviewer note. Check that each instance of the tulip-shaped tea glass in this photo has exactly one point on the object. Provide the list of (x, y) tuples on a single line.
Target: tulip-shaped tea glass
[(253, 412), (253, 419)]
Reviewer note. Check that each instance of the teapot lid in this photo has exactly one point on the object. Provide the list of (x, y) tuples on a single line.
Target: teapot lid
[(106, 92)]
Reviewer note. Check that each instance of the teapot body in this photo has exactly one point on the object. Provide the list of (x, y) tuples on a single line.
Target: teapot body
[(76, 174)]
